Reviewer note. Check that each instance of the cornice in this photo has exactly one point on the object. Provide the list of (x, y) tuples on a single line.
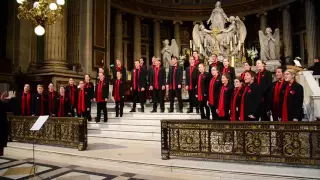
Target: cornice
[(198, 12)]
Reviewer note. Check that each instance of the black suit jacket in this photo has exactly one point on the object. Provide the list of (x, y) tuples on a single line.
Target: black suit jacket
[(68, 90), (123, 72), (141, 79), (218, 65), (193, 77), (161, 78), (215, 92), (294, 101), (105, 88), (265, 81), (271, 95), (231, 72), (36, 104), (121, 88), (17, 104), (252, 99), (67, 107), (227, 97), (49, 94), (178, 76), (204, 85), (86, 98), (90, 88)]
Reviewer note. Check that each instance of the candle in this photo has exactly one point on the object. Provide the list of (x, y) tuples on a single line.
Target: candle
[(239, 44), (235, 39), (231, 45), (205, 43), (232, 61), (190, 44), (200, 49), (194, 47)]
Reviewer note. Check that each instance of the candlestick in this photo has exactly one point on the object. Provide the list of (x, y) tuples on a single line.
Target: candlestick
[(190, 44), (194, 47), (200, 49), (232, 61), (243, 50), (235, 39), (205, 43), (239, 44), (231, 45)]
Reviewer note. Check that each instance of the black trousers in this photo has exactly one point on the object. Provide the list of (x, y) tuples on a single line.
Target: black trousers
[(119, 107), (262, 112), (172, 95), (204, 110), (83, 114), (101, 106), (89, 112), (213, 112), (193, 102), (158, 97), (138, 97), (73, 110)]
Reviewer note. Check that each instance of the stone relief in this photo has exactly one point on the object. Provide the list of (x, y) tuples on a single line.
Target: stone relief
[(269, 44)]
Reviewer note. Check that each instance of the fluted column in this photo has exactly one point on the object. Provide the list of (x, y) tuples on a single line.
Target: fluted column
[(287, 35), (177, 32), (85, 54), (310, 31), (263, 20), (156, 38), (55, 44), (118, 50), (34, 55), (137, 38)]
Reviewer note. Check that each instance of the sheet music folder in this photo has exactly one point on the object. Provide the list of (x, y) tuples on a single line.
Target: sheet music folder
[(39, 123)]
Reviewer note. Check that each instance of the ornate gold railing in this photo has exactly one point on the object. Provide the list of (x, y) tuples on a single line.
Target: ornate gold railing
[(296, 143), (65, 132)]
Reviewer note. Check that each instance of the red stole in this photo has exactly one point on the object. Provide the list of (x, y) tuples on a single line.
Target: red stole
[(211, 90), (243, 74), (259, 76), (156, 83), (135, 77), (200, 95), (225, 70), (25, 102), (190, 75), (119, 68), (86, 85), (41, 105), (174, 77), (214, 64), (71, 94), (99, 95), (276, 97), (233, 108), (51, 101), (221, 110), (242, 118), (81, 103), (117, 90), (61, 107), (196, 61), (285, 104)]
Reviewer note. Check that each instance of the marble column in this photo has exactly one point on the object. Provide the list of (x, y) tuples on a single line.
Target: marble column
[(287, 35), (263, 20), (137, 38), (73, 43), (85, 54), (156, 38), (118, 50), (177, 32), (34, 55), (311, 31), (108, 27), (55, 44)]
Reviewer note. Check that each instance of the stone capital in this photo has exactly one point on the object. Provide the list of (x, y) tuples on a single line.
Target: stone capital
[(262, 14), (177, 22), (157, 20), (197, 22), (287, 7)]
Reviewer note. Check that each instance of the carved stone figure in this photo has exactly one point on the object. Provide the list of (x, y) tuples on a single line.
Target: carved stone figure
[(269, 44), (169, 51), (218, 18)]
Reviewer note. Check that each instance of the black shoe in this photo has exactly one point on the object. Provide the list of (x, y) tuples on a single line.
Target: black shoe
[(180, 111), (106, 120), (171, 111), (197, 111), (153, 111), (117, 115), (162, 110), (133, 110), (190, 111), (142, 110), (121, 115)]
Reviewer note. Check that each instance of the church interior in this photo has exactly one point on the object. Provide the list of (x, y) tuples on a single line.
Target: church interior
[(43, 43)]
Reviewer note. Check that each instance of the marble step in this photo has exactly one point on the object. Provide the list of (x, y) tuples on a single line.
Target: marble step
[(124, 128), (137, 136), (149, 115)]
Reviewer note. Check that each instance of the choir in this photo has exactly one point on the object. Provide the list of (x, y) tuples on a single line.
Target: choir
[(250, 97)]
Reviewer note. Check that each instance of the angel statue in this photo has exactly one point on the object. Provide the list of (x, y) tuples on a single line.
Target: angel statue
[(269, 44), (202, 39), (169, 51), (218, 18)]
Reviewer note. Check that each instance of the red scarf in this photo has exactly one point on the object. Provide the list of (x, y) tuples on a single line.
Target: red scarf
[(259, 76), (225, 70), (196, 61), (190, 79), (243, 74), (174, 77), (86, 85), (81, 103), (71, 94), (242, 103), (156, 83), (285, 117), (135, 76), (119, 68), (234, 104), (214, 64), (211, 90), (51, 102), (41, 106), (276, 97), (117, 90), (221, 110), (99, 95), (61, 107), (25, 101), (200, 96)]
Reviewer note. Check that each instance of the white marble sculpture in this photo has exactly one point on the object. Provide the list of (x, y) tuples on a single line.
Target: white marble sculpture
[(218, 18), (168, 51), (269, 44)]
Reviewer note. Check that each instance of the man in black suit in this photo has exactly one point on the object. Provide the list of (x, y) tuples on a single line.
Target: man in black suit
[(157, 85), (228, 69), (90, 89), (83, 101), (39, 102), (201, 92), (119, 68), (191, 82), (138, 85), (174, 83), (118, 94), (23, 102), (216, 63), (71, 90), (197, 58), (51, 99), (101, 96)]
